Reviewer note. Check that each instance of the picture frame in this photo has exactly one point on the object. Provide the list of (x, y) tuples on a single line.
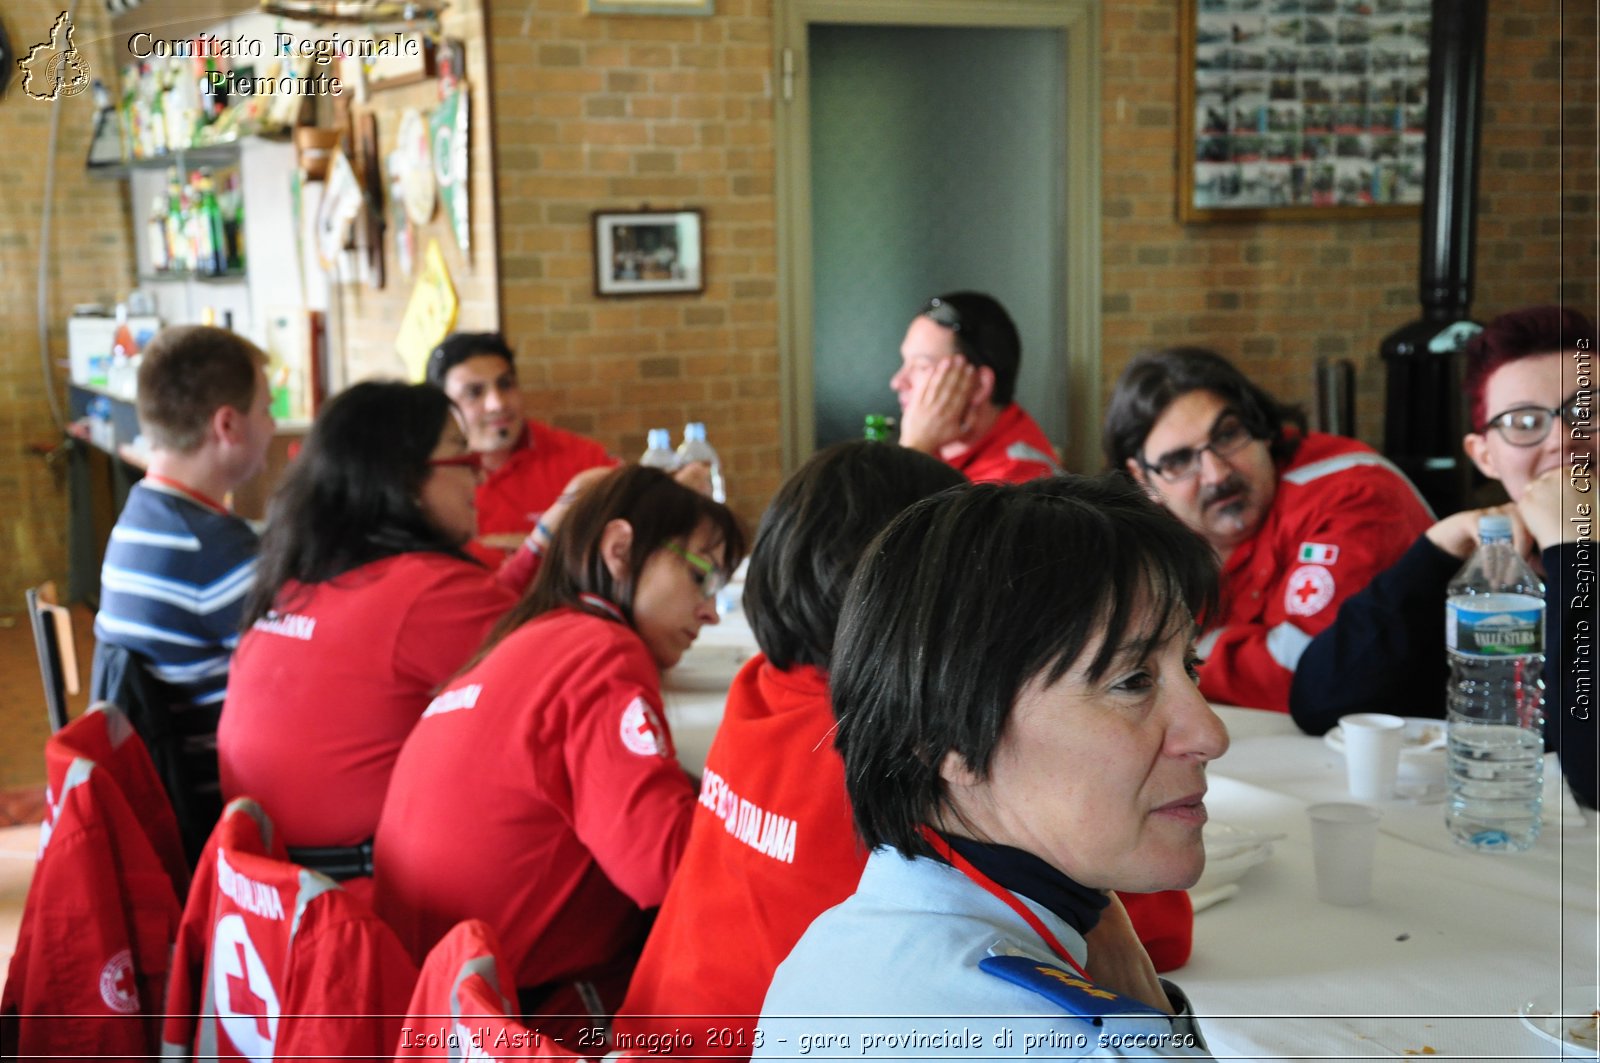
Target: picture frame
[(1302, 109), (650, 7), (648, 252)]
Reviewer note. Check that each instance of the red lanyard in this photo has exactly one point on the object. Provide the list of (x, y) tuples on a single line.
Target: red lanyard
[(1005, 896), (188, 492)]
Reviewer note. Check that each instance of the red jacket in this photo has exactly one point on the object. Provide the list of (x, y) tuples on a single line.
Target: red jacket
[(322, 694), (513, 497), (465, 1003), (89, 972), (539, 793), (773, 846), (1014, 450), (276, 962), (1341, 515)]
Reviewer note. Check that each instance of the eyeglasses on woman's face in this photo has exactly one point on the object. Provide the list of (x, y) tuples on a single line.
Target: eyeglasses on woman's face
[(1527, 426), (472, 460), (705, 573), (1229, 435)]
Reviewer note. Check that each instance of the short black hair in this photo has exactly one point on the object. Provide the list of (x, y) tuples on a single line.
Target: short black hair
[(966, 597), (812, 536), (459, 346), (984, 334), (1153, 380)]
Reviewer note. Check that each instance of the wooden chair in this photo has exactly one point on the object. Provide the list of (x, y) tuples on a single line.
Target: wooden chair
[(57, 650)]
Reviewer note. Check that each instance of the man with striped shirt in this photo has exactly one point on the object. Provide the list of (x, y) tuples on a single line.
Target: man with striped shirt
[(1300, 520), (180, 563)]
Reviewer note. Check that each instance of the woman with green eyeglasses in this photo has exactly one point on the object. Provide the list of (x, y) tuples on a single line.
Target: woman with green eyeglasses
[(540, 791), (1527, 378)]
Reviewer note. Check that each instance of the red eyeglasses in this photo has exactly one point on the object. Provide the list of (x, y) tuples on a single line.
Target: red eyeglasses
[(470, 460)]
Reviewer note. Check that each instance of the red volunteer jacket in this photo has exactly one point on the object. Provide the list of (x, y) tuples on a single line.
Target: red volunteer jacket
[(513, 497), (540, 793), (1014, 450), (464, 1006), (1342, 514), (89, 972), (774, 846), (277, 962), (322, 694)]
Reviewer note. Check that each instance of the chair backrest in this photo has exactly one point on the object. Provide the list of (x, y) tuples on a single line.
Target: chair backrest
[(462, 1004), (274, 960), (1336, 396), (93, 951), (54, 644), (181, 744)]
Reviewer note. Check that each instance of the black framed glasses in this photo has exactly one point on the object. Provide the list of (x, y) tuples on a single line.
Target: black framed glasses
[(942, 313), (707, 576), (472, 459), (1527, 426), (1229, 435)]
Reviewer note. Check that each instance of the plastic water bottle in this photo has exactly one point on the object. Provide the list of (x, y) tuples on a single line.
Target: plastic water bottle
[(695, 448), (1494, 632), (658, 452)]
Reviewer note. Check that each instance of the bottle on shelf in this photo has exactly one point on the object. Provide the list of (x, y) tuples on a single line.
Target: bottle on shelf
[(695, 448), (179, 249), (156, 236), (658, 452), (879, 428), (1494, 635), (120, 378), (211, 245)]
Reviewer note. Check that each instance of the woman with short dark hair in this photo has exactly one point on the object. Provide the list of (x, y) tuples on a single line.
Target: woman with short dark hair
[(1022, 734), (773, 752), (364, 603), (541, 792)]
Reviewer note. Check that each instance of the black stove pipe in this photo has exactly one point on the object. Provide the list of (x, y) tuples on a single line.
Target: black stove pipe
[(1423, 420)]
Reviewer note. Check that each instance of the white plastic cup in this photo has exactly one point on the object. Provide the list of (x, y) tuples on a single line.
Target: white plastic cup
[(1343, 838), (1372, 753)]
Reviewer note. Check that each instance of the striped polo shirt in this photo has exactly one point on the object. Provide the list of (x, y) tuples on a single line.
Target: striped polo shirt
[(172, 589)]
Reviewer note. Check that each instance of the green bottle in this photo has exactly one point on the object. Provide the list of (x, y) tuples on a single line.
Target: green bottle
[(878, 428)]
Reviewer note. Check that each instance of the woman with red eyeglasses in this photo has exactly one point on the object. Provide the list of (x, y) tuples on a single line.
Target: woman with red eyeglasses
[(364, 605), (541, 791)]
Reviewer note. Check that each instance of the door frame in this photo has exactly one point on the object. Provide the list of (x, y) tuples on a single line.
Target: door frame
[(1079, 23)]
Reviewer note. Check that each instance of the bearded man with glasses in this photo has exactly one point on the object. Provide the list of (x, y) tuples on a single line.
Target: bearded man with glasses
[(1301, 520), (1528, 378)]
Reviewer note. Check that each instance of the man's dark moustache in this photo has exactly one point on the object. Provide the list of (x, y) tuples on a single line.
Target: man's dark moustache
[(1222, 492)]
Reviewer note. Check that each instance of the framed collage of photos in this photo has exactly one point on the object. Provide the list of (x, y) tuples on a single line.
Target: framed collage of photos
[(1302, 108)]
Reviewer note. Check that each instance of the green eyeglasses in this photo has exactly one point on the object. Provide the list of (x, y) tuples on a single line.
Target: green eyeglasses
[(707, 576)]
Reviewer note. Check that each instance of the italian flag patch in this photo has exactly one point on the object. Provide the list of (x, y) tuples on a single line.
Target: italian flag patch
[(1318, 554)]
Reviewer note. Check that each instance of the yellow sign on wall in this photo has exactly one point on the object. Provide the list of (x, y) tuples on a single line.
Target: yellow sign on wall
[(430, 315)]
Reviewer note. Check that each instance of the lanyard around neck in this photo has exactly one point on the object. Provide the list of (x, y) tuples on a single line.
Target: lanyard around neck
[(187, 492), (1005, 896)]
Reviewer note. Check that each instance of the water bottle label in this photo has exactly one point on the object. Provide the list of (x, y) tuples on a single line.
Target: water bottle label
[(1495, 625)]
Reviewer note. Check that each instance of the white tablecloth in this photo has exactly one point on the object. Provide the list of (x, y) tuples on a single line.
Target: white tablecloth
[(1437, 964)]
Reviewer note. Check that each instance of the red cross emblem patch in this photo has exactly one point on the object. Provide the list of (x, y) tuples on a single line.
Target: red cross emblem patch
[(1308, 590)]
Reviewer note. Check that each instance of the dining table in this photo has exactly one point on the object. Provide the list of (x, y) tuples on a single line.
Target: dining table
[(1440, 963)]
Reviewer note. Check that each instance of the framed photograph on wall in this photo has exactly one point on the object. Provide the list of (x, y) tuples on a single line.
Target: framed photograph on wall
[(1302, 108), (648, 252)]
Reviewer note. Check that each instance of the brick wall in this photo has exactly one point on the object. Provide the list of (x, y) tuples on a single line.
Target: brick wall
[(89, 261), (1277, 295), (596, 112)]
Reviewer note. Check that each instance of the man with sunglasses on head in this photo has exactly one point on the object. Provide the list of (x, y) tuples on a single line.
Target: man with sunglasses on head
[(957, 378), (1531, 401), (1301, 520), (528, 463)]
